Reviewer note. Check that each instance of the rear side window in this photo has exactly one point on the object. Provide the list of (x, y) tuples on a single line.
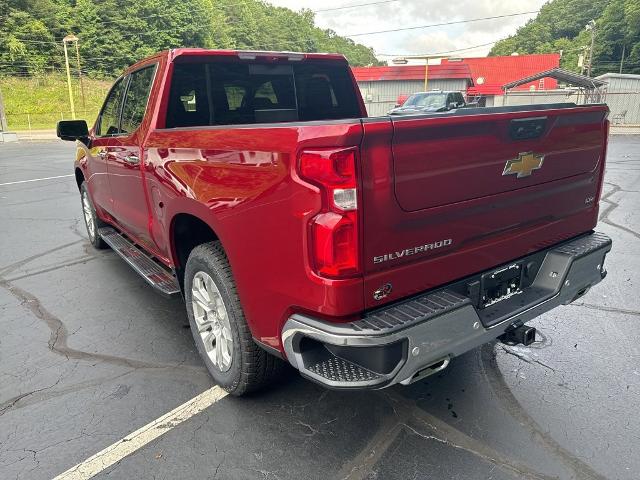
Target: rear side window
[(109, 121), (136, 100), (218, 93)]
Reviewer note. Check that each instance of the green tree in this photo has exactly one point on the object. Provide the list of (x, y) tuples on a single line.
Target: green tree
[(116, 33), (560, 26)]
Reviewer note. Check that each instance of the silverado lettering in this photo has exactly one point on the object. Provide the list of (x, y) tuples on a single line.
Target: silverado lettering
[(197, 154), (412, 251)]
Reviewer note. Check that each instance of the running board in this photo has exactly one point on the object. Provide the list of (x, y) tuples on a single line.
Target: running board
[(155, 275)]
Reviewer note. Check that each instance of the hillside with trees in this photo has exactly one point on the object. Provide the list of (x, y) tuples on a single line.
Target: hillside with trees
[(560, 26), (116, 33)]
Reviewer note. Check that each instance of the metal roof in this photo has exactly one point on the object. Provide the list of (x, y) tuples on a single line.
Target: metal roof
[(561, 75), (411, 72), (484, 75), (627, 76), (491, 73)]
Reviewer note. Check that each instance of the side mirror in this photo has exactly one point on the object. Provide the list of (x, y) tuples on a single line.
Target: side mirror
[(72, 130), (452, 105)]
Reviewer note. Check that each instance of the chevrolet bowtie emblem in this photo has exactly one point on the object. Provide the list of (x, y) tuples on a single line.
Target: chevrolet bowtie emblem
[(523, 165)]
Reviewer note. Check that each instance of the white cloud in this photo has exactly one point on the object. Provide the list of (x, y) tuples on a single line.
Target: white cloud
[(407, 13)]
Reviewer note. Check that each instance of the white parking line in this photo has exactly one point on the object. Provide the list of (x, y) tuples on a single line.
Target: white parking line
[(35, 180), (138, 439)]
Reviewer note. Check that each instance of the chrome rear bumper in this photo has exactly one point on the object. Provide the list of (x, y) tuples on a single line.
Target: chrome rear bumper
[(417, 337)]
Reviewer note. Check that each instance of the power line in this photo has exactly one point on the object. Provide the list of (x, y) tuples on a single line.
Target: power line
[(431, 25), (409, 55), (453, 22), (345, 7)]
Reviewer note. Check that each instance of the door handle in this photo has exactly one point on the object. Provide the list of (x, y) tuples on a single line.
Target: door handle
[(132, 159)]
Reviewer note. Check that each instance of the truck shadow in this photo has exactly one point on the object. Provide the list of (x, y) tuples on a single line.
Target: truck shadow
[(463, 419), (461, 423)]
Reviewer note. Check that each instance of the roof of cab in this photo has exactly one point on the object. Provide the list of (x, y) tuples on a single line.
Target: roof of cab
[(251, 54), (243, 54)]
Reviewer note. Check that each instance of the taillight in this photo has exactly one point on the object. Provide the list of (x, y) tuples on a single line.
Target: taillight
[(333, 231)]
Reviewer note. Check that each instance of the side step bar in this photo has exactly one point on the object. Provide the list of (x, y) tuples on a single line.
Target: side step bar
[(155, 275)]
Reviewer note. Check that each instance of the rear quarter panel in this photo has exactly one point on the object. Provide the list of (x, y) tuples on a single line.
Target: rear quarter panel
[(242, 182)]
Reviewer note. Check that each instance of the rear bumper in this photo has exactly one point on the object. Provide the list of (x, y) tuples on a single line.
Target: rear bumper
[(417, 337)]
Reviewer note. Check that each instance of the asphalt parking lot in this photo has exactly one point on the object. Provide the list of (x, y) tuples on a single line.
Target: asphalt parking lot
[(89, 353)]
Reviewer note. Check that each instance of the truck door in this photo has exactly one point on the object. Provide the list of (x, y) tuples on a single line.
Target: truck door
[(105, 138), (124, 161)]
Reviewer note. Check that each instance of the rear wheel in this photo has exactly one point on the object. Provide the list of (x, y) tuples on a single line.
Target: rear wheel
[(91, 220), (219, 327)]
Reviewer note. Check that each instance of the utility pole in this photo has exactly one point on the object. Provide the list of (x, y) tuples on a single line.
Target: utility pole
[(84, 103), (426, 58), (3, 118), (426, 73), (69, 38), (591, 27), (622, 57)]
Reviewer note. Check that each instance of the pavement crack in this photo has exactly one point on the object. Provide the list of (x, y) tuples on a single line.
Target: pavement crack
[(81, 260), (603, 308), (524, 357), (9, 404), (59, 334), (497, 383), (9, 268), (495, 458), (604, 215), (447, 434)]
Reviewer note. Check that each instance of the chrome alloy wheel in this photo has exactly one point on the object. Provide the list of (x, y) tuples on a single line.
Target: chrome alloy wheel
[(212, 320), (88, 215)]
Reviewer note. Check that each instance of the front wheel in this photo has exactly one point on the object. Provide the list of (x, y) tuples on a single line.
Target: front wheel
[(91, 220), (219, 327)]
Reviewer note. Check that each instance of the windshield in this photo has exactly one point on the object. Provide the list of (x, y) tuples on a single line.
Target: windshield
[(428, 100)]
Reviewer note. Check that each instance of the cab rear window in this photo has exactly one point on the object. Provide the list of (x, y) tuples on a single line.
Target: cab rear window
[(219, 93)]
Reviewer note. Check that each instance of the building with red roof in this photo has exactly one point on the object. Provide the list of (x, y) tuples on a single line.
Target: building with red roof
[(489, 74), (480, 78)]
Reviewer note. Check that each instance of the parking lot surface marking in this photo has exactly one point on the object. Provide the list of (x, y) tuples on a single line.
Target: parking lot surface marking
[(35, 180), (141, 437)]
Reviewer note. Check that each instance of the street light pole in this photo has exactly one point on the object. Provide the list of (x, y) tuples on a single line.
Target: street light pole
[(591, 26), (69, 38), (3, 118), (84, 103)]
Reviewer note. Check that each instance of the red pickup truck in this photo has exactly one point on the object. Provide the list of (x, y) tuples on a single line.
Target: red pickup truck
[(365, 251)]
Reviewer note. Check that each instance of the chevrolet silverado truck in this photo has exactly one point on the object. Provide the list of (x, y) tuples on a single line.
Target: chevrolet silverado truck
[(366, 252)]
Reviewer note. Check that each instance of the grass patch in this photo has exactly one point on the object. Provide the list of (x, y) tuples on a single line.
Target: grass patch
[(42, 101)]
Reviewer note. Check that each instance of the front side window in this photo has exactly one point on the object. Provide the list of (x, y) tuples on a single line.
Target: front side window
[(109, 121), (223, 93), (136, 100)]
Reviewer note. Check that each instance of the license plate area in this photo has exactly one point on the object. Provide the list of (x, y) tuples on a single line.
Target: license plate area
[(501, 284)]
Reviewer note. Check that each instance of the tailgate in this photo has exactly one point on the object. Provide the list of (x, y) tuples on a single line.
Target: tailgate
[(445, 196)]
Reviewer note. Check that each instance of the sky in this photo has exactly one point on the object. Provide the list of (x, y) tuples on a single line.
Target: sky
[(393, 14)]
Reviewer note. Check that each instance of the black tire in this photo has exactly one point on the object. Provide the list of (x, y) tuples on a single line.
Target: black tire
[(91, 216), (251, 367)]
